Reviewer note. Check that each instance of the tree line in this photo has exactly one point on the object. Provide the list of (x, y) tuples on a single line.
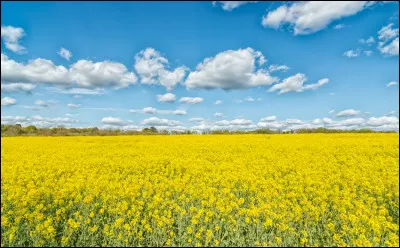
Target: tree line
[(31, 130)]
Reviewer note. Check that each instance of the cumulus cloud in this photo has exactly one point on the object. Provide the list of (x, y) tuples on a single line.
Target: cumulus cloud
[(76, 91), (73, 106), (38, 70), (196, 119), (348, 112), (38, 121), (230, 5), (269, 118), (66, 54), (352, 53), (383, 120), (7, 101), (154, 121), (387, 33), (294, 121), (236, 124), (11, 37), (115, 121), (149, 110), (391, 48), (35, 108), (296, 84), (179, 112), (368, 41), (249, 99), (339, 26), (89, 74), (388, 40), (218, 102), (219, 114), (375, 123), (231, 69), (311, 16), (331, 111), (273, 68), (327, 120), (169, 97), (153, 69), (392, 83), (17, 87), (368, 52), (191, 100), (41, 103), (84, 73)]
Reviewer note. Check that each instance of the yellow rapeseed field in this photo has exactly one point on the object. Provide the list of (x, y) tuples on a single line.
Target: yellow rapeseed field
[(201, 190)]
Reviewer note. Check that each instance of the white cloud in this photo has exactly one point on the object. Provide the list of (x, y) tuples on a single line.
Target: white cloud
[(235, 122), (76, 91), (66, 54), (295, 84), (271, 125), (273, 68), (38, 70), (88, 74), (269, 118), (316, 121), (115, 121), (153, 69), (393, 112), (133, 111), (179, 112), (191, 100), (83, 73), (7, 101), (36, 108), (16, 87), (331, 111), (390, 49), (38, 121), (219, 114), (368, 52), (383, 120), (218, 102), (294, 121), (387, 33), (352, 53), (154, 121), (348, 112), (149, 110), (41, 103), (249, 99), (392, 83), (327, 120), (73, 106), (339, 26), (196, 119), (232, 69), (388, 40), (11, 37), (311, 16), (169, 97), (107, 109), (368, 41), (230, 5)]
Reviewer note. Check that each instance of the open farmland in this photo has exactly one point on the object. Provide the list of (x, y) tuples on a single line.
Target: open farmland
[(201, 190)]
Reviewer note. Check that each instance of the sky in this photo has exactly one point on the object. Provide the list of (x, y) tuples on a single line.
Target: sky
[(200, 65)]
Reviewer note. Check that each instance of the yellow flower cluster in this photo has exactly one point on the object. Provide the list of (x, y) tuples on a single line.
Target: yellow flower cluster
[(205, 190)]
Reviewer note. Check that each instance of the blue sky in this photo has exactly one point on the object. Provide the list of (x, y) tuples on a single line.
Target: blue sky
[(337, 64)]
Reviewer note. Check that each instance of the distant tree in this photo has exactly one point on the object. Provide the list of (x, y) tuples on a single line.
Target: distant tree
[(30, 129)]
